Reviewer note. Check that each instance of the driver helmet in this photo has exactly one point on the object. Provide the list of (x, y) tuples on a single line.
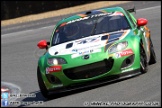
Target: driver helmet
[(71, 30)]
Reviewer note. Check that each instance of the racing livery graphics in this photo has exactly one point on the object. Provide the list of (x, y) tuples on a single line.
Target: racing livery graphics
[(94, 47)]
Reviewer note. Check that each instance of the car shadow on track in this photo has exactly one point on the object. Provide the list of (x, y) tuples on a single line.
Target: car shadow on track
[(39, 97)]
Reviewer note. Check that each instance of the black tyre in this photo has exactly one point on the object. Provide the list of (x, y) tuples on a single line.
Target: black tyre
[(143, 60), (41, 84), (152, 54)]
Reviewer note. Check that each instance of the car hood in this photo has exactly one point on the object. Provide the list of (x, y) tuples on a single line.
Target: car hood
[(87, 45)]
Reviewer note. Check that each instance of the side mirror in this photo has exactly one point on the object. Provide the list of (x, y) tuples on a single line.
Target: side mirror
[(43, 44), (141, 22)]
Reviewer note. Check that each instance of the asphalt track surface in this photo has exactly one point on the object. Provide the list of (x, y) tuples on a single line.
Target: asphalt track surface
[(19, 56)]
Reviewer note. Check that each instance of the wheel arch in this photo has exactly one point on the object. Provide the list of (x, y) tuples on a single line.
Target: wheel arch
[(41, 62)]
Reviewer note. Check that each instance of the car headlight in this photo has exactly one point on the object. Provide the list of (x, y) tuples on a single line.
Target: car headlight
[(118, 47), (56, 61)]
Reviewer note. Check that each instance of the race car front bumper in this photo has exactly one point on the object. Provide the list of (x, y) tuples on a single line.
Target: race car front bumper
[(95, 83), (107, 67)]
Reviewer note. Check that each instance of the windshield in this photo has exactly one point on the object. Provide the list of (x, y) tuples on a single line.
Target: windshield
[(88, 27)]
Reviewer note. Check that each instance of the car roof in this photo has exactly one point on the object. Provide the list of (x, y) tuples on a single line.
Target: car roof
[(92, 12)]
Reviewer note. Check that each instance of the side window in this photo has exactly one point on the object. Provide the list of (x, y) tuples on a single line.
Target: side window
[(133, 22)]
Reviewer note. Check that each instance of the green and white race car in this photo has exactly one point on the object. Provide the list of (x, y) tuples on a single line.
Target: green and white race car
[(92, 48)]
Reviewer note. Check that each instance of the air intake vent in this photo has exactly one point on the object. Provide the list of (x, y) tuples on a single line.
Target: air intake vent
[(69, 45)]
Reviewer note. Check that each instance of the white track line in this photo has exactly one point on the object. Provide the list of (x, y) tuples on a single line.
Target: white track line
[(54, 25), (149, 8), (26, 31)]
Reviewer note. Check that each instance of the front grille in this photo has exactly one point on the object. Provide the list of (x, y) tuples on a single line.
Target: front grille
[(90, 70)]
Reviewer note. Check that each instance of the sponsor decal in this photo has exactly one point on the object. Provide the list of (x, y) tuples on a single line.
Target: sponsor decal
[(74, 50), (87, 17), (85, 52), (101, 14), (85, 49), (124, 53), (53, 69), (84, 17), (82, 52), (83, 41), (79, 19)]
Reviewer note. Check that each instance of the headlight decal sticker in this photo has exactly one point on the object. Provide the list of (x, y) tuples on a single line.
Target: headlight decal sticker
[(124, 34), (115, 36)]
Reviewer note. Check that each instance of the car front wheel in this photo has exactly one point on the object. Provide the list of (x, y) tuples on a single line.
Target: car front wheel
[(152, 54), (41, 84), (143, 60)]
